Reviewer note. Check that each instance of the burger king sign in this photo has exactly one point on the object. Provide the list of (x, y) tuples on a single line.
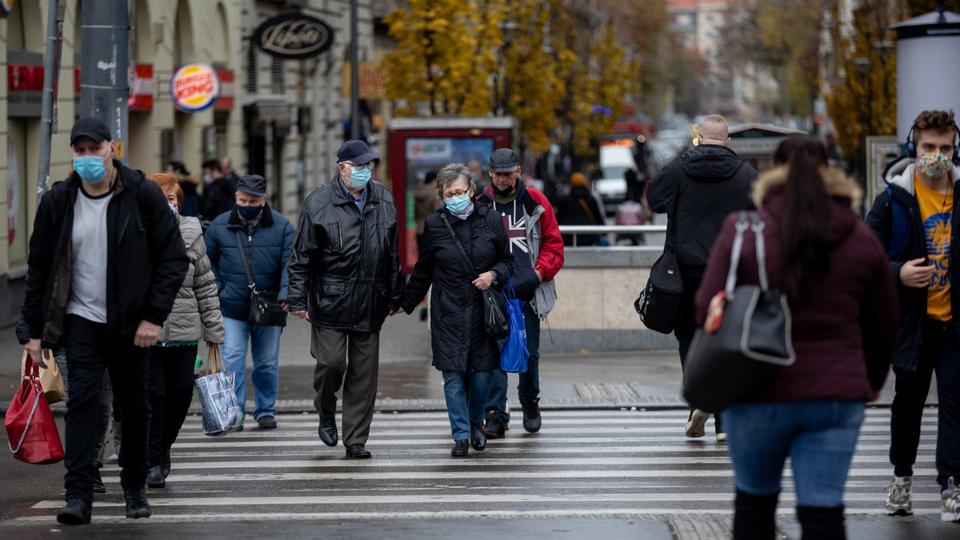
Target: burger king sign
[(194, 87)]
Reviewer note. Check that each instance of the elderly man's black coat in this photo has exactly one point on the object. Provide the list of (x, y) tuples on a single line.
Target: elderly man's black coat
[(459, 341)]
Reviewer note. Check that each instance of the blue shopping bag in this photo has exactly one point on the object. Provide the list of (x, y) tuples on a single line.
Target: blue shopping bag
[(513, 353)]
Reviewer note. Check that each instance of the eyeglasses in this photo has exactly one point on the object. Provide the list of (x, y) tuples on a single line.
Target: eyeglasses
[(368, 166)]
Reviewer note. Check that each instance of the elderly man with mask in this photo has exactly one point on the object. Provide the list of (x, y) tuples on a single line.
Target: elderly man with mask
[(265, 237), (345, 279)]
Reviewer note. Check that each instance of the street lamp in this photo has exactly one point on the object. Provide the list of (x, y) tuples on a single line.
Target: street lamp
[(507, 28)]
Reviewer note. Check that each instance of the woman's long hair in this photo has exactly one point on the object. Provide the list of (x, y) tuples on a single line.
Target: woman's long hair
[(804, 240)]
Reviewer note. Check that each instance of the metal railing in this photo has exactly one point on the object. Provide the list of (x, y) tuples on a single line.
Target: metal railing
[(612, 232)]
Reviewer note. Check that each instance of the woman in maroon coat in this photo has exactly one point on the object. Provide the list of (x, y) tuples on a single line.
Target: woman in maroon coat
[(844, 311)]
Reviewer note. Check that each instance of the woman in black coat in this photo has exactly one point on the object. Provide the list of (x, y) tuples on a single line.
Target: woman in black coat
[(462, 350)]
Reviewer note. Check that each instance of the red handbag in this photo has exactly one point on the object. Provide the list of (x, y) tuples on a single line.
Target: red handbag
[(30, 425)]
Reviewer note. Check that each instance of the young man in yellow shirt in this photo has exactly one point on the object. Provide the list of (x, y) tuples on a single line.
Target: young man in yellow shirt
[(914, 218)]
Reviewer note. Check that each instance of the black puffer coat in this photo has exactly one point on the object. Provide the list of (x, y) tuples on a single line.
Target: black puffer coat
[(344, 265), (459, 341)]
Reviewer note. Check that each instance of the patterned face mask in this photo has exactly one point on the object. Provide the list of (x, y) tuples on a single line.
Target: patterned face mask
[(932, 164)]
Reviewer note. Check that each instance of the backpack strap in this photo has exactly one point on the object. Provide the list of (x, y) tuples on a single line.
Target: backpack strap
[(899, 227)]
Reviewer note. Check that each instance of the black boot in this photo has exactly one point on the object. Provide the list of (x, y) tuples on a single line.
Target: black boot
[(818, 523), (137, 506), (478, 439), (754, 516), (460, 448), (155, 478), (495, 427), (531, 416), (76, 512), (98, 487)]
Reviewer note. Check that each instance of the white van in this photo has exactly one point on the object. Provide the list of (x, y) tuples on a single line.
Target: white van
[(616, 156)]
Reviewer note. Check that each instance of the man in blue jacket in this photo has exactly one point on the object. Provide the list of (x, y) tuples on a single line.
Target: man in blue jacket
[(266, 237)]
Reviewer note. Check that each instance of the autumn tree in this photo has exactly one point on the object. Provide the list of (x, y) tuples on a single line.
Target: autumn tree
[(865, 100), (919, 7)]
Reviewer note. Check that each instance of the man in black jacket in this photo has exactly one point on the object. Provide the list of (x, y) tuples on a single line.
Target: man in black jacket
[(106, 262), (697, 190), (345, 279), (915, 218), (218, 193)]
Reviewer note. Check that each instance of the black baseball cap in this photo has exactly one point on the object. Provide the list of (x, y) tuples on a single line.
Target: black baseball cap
[(252, 184), (504, 160), (90, 128), (355, 151)]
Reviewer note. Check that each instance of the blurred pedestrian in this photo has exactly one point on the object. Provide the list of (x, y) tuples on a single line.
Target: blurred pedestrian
[(914, 218), (218, 193), (537, 248), (345, 279), (189, 184), (843, 315), (226, 166), (697, 191), (265, 237), (462, 350), (579, 207), (426, 202), (106, 261), (195, 316)]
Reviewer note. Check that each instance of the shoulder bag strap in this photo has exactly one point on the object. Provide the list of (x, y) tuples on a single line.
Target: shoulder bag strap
[(463, 253), (243, 260), (743, 224), (757, 225), (672, 218)]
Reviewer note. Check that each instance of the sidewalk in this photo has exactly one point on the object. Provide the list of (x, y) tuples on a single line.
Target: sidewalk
[(582, 379)]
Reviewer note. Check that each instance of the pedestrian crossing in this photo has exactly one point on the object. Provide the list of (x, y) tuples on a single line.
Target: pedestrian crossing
[(584, 463)]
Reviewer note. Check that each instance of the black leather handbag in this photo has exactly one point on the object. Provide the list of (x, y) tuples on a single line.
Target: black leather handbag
[(495, 321), (264, 307), (753, 340), (659, 302)]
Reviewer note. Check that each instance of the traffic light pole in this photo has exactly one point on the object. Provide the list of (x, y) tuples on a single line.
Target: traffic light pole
[(104, 87), (51, 70)]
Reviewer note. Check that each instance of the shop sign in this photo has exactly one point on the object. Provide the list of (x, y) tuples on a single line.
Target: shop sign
[(141, 88), (227, 90), (293, 36), (373, 81), (24, 84), (194, 87)]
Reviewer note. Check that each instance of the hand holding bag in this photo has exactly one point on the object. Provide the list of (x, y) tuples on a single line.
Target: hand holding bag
[(495, 320), (514, 354), (31, 429), (753, 339), (50, 378), (218, 400), (659, 301), (264, 307)]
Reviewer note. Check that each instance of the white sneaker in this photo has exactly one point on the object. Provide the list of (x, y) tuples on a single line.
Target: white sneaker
[(695, 425), (721, 437), (950, 502), (899, 501)]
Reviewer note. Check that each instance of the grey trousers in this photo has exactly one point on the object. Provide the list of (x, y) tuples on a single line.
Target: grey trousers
[(350, 360)]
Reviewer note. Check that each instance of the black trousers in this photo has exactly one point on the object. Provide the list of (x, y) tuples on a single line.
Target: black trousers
[(91, 349), (171, 390), (940, 352)]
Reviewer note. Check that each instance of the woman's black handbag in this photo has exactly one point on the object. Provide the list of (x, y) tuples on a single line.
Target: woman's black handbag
[(264, 307), (495, 320), (659, 301), (752, 342)]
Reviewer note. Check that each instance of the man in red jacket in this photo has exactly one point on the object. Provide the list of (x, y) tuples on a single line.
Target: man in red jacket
[(538, 255)]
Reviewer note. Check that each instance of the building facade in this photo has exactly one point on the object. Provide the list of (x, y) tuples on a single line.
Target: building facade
[(280, 118)]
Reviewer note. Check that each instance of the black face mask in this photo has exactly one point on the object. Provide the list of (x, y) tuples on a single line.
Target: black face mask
[(505, 192)]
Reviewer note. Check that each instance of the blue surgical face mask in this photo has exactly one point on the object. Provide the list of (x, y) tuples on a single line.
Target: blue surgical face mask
[(458, 204), (249, 212), (360, 177), (90, 168)]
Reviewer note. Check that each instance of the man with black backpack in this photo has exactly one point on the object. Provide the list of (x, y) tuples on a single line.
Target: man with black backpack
[(697, 190), (914, 219)]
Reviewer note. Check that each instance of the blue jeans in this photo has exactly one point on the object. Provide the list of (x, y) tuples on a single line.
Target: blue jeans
[(266, 363), (466, 397), (819, 436), (529, 387)]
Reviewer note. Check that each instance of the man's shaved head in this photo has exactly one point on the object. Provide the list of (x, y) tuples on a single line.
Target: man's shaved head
[(714, 129)]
